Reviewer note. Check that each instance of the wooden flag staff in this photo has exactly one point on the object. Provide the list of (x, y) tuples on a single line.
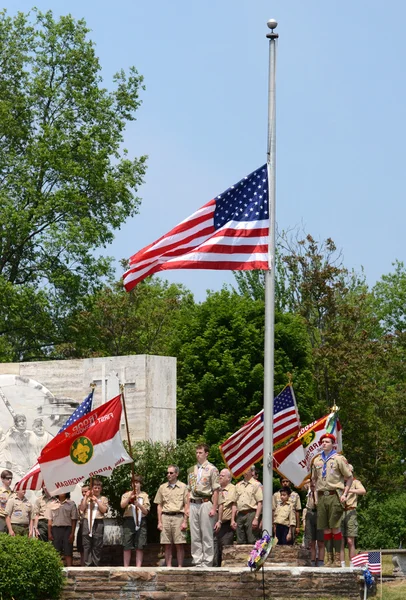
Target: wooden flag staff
[(130, 451)]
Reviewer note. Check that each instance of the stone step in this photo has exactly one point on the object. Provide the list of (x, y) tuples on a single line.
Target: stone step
[(163, 595)]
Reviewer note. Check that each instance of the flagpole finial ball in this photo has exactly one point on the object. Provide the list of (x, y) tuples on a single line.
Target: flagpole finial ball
[(272, 24)]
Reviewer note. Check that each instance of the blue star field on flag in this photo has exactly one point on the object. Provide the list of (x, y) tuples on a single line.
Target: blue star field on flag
[(81, 410), (245, 201)]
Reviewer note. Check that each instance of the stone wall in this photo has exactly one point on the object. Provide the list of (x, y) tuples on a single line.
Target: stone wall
[(281, 583)]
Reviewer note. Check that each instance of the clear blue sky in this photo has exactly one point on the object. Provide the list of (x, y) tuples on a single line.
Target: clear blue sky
[(340, 114)]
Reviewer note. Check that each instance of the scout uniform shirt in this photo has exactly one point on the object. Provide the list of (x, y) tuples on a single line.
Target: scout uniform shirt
[(172, 498), (19, 511), (285, 514), (352, 499), (337, 470), (63, 513), (5, 495), (96, 512), (41, 505), (294, 500), (249, 493), (128, 511), (203, 480), (227, 498)]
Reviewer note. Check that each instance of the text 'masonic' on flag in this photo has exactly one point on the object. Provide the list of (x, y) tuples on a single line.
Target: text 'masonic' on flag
[(230, 232), (246, 446), (33, 479), (90, 446), (372, 560)]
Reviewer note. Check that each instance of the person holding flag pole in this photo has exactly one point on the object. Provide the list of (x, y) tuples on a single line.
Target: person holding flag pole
[(136, 507)]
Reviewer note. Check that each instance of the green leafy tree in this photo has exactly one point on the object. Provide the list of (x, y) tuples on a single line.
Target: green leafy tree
[(113, 322), (390, 299), (219, 347), (66, 184)]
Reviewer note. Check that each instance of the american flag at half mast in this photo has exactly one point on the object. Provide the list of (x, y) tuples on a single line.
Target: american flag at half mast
[(33, 479), (230, 232), (246, 446)]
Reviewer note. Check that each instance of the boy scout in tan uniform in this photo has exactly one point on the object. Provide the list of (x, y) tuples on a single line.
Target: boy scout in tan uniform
[(249, 508), (172, 501), (226, 524), (5, 494), (284, 519), (18, 515), (41, 516), (294, 499), (135, 503), (62, 518), (331, 480), (93, 538), (203, 486), (349, 522)]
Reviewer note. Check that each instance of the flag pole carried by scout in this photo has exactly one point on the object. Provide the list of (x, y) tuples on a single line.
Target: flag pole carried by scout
[(270, 289), (130, 451)]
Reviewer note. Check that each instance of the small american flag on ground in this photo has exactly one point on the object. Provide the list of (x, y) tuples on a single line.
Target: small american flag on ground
[(33, 479), (228, 233), (246, 446), (372, 560)]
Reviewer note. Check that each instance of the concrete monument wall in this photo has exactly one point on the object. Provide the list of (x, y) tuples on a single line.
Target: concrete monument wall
[(36, 398)]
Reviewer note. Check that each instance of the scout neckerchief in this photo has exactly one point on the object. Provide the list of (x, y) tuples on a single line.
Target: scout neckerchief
[(325, 458)]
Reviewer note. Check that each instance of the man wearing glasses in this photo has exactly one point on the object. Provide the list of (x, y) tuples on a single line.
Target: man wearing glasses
[(5, 493), (172, 504)]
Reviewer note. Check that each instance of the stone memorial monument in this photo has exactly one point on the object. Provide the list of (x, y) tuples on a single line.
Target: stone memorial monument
[(36, 398)]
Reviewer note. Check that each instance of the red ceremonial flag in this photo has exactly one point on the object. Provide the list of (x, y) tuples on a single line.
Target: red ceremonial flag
[(230, 233), (89, 447), (246, 446), (294, 460), (33, 480)]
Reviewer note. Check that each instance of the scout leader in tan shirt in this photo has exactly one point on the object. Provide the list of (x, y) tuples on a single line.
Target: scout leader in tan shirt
[(5, 494), (249, 508), (331, 481), (173, 505), (19, 515), (226, 524), (203, 485)]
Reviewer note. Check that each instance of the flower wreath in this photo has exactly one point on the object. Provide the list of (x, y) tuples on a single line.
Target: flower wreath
[(260, 552)]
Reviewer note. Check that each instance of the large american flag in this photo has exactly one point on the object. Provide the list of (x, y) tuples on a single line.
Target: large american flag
[(229, 232), (33, 480), (246, 446), (372, 560)]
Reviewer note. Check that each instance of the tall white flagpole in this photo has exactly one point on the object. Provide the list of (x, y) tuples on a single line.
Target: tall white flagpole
[(270, 290)]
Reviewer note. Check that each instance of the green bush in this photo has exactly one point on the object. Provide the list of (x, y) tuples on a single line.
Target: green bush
[(29, 569), (382, 521)]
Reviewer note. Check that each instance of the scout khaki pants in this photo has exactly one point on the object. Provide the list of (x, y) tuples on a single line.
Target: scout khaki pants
[(201, 533)]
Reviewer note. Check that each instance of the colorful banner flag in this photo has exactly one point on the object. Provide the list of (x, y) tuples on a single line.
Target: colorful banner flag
[(230, 232), (294, 460), (89, 447), (246, 446), (33, 479)]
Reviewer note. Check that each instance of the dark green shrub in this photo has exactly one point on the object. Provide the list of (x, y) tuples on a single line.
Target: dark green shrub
[(29, 569), (382, 521)]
